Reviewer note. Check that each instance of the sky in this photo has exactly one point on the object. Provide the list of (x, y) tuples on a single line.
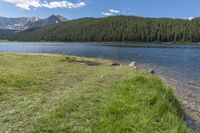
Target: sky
[(73, 9)]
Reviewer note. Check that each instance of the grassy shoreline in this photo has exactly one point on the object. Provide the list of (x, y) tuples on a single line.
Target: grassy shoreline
[(43, 93)]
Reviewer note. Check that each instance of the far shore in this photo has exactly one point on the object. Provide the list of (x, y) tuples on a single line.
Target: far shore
[(111, 43)]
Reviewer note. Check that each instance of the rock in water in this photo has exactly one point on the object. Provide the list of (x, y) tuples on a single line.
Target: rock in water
[(133, 64)]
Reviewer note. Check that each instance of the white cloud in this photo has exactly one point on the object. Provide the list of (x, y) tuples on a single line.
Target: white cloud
[(114, 11), (27, 4), (107, 13), (63, 4), (190, 18), (110, 12)]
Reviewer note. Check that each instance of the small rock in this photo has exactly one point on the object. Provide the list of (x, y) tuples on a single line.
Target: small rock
[(189, 120), (133, 64), (115, 64), (151, 71)]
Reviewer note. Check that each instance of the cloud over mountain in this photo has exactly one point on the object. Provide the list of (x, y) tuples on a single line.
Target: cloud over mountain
[(114, 11), (28, 4), (111, 12)]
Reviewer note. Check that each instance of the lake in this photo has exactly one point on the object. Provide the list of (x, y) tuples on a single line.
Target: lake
[(179, 65)]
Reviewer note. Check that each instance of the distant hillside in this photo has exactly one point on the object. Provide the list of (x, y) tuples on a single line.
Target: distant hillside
[(24, 23), (117, 28), (4, 32), (45, 22), (16, 23)]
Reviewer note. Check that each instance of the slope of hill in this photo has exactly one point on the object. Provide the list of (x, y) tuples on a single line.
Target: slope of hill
[(117, 28), (24, 23), (45, 22), (16, 23), (4, 32)]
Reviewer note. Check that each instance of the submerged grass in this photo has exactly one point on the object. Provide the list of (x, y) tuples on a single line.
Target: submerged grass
[(70, 94)]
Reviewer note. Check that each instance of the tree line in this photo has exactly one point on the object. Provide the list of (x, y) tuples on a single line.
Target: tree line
[(116, 28)]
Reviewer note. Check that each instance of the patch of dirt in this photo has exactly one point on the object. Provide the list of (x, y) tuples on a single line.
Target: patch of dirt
[(115, 64), (82, 61)]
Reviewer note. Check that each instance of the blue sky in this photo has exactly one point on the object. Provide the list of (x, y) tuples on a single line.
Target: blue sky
[(72, 9)]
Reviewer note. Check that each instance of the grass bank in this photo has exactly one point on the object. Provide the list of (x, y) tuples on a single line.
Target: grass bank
[(5, 41), (42, 93)]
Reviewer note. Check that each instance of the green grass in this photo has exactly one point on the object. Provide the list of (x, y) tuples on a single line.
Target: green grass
[(58, 94), (5, 41)]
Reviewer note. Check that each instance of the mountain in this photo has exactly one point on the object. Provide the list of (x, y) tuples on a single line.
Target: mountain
[(4, 32), (116, 29), (24, 23), (16, 23), (54, 19)]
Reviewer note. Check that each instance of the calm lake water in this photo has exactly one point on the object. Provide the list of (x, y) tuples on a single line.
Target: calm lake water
[(178, 64)]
